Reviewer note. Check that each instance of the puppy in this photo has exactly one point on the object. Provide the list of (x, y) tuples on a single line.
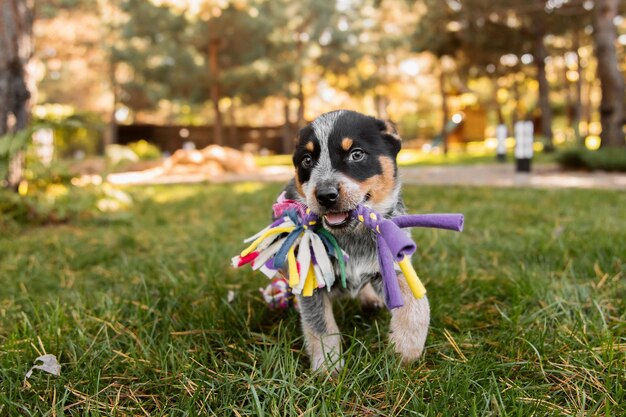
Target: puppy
[(343, 159)]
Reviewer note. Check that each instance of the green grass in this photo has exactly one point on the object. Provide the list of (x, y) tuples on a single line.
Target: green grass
[(528, 313)]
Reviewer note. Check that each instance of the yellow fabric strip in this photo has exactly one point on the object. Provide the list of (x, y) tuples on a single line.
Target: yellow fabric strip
[(309, 284), (411, 277), (274, 231), (294, 277)]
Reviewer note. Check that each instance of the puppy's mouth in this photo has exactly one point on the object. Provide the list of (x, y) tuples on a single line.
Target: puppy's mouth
[(337, 220)]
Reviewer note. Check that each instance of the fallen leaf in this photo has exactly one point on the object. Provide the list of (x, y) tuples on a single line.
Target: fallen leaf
[(50, 365)]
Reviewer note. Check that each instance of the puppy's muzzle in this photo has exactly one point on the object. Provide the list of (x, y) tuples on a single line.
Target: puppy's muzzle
[(327, 195)]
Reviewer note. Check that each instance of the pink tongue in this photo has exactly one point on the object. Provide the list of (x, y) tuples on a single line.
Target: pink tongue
[(336, 218)]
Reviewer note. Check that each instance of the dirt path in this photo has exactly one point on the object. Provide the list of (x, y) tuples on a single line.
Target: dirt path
[(490, 175), (504, 175)]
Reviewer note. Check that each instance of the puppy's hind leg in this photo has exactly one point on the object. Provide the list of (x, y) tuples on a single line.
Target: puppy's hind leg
[(409, 324), (321, 334), (369, 299)]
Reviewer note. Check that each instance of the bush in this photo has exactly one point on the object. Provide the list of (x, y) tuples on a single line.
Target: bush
[(145, 151), (117, 155), (56, 203), (613, 159), (12, 144), (571, 158), (61, 203), (76, 133), (49, 194), (606, 159)]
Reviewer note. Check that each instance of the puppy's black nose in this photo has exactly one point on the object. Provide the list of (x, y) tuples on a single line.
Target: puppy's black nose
[(327, 195)]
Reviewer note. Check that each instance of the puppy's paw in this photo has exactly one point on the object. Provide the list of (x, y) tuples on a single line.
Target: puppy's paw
[(325, 353), (409, 327), (327, 365), (409, 347), (368, 298)]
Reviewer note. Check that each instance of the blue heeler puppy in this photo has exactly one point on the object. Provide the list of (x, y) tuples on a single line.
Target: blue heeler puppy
[(343, 159)]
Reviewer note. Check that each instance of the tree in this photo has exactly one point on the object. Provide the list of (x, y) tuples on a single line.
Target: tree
[(485, 31), (247, 51), (236, 67), (216, 52), (157, 59), (438, 32), (488, 46), (526, 24), (612, 116), (382, 30), (313, 38), (16, 32)]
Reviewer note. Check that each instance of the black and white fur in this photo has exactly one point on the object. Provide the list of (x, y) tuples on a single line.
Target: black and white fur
[(343, 159)]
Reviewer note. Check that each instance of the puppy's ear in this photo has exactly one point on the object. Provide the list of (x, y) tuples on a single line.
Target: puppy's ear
[(390, 134)]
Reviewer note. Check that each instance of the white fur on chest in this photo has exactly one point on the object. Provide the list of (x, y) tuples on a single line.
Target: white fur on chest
[(357, 269)]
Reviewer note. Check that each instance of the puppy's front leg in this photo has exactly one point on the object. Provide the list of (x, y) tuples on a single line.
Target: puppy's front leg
[(409, 324), (321, 334)]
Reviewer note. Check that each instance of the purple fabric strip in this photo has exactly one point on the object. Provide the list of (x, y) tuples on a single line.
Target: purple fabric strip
[(396, 240), (277, 222), (393, 296), (448, 221)]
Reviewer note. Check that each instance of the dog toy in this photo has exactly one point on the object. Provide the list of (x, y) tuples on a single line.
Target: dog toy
[(297, 240), (278, 295)]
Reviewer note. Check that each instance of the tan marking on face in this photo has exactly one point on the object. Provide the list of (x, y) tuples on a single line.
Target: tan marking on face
[(346, 143), (380, 186), (309, 146), (299, 185)]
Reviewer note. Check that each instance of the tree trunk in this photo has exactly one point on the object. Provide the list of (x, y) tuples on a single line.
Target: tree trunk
[(287, 132), (381, 103), (109, 18), (544, 92), (214, 45), (16, 34), (566, 90), (300, 121), (232, 125), (578, 95), (588, 103), (110, 131), (515, 113), (445, 111), (496, 103), (612, 115)]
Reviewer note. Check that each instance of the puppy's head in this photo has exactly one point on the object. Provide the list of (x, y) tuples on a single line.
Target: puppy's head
[(343, 159)]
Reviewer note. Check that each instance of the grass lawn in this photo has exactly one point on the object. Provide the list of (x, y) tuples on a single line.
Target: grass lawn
[(528, 313)]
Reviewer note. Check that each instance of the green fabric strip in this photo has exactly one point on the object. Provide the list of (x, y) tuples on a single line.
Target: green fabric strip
[(338, 252)]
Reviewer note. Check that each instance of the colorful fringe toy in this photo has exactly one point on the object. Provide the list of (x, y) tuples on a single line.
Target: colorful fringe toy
[(296, 240), (278, 295)]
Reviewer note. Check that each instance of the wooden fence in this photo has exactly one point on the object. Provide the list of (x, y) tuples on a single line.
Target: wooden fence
[(169, 138)]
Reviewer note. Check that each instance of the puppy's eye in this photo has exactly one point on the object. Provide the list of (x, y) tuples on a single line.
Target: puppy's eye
[(357, 155), (307, 161)]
